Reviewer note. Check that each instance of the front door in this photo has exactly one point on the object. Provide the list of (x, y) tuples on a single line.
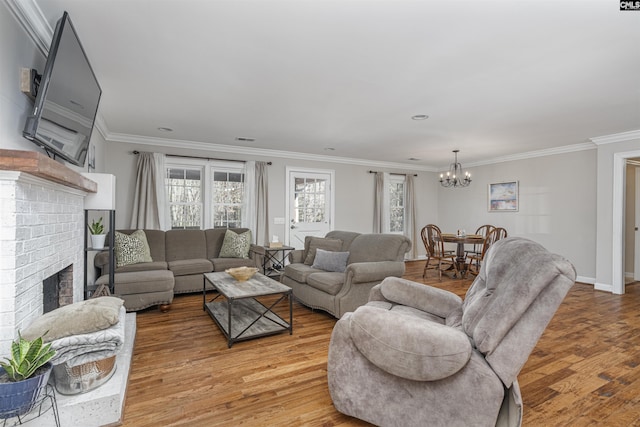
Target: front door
[(310, 204)]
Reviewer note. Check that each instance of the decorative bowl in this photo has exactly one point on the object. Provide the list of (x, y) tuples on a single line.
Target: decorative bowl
[(241, 274)]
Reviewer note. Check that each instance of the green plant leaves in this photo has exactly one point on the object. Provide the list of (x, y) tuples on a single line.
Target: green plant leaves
[(26, 358)]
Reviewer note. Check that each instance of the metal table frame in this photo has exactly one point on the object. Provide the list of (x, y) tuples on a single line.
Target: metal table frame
[(254, 318), (274, 260)]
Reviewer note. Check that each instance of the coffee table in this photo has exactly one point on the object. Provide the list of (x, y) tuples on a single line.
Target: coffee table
[(237, 312)]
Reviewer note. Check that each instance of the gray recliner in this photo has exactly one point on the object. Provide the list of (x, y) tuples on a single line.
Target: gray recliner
[(415, 355)]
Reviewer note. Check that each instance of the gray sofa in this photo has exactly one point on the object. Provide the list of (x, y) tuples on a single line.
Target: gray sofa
[(180, 257), (372, 257), (415, 355)]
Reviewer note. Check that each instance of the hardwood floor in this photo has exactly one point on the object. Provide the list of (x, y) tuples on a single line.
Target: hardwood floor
[(585, 370)]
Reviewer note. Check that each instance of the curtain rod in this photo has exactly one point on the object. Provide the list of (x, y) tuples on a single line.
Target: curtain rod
[(204, 158), (391, 173)]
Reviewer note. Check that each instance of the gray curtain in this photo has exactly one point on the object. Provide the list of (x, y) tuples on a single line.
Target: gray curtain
[(255, 214), (381, 217), (148, 202), (378, 209), (262, 203), (410, 216)]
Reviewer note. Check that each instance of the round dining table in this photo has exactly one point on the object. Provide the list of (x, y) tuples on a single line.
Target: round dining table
[(468, 239)]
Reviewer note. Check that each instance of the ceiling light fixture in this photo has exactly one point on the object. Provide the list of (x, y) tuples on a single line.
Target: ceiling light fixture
[(419, 117), (244, 139), (453, 178)]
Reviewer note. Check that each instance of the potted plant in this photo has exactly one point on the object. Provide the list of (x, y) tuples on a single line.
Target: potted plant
[(24, 376), (97, 234)]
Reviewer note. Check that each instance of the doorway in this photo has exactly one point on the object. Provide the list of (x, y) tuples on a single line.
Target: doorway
[(619, 176), (310, 204)]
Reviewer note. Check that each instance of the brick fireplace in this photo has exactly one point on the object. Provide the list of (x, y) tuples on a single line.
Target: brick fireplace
[(41, 235)]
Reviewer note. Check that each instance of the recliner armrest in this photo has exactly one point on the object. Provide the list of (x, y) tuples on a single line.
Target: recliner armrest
[(420, 350), (363, 272), (423, 297)]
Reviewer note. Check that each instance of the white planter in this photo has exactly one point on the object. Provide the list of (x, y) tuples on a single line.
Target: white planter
[(97, 241)]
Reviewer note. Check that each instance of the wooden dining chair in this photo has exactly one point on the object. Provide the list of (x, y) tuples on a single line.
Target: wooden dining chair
[(483, 231), (434, 245), (475, 260)]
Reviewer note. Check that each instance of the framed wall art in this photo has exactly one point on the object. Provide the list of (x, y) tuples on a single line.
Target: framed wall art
[(503, 197)]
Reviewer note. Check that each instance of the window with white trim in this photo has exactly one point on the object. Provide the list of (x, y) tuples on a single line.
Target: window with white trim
[(184, 194), (396, 196), (203, 194)]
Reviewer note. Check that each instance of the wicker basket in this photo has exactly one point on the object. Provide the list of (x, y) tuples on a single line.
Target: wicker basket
[(85, 377), (241, 274)]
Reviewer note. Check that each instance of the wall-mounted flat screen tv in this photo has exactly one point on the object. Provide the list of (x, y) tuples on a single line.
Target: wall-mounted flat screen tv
[(67, 100)]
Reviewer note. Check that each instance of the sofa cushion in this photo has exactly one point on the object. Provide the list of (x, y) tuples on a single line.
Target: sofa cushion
[(82, 317), (140, 282), (143, 266), (329, 282), (330, 261), (299, 272), (184, 267), (236, 245), (312, 243), (378, 247), (132, 248), (185, 244), (221, 264)]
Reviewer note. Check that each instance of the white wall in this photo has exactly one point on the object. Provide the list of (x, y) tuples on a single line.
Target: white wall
[(557, 204), (17, 50)]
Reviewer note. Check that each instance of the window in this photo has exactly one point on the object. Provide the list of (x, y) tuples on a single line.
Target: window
[(203, 195), (228, 190), (184, 193), (396, 204), (309, 200)]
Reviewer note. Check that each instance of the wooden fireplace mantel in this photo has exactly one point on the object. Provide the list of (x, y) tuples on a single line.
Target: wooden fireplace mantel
[(39, 165)]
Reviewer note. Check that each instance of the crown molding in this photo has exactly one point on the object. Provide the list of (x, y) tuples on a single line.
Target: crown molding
[(532, 154), (252, 151), (616, 137), (30, 16)]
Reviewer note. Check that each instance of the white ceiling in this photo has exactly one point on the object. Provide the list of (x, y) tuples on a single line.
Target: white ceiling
[(496, 78)]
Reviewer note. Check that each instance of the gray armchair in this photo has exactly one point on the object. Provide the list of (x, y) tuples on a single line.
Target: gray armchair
[(415, 355)]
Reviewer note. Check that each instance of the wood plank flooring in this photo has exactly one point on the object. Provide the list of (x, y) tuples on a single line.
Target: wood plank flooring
[(585, 370)]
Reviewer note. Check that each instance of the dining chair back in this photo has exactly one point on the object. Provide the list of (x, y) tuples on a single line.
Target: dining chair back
[(483, 231), (434, 245), (475, 260)]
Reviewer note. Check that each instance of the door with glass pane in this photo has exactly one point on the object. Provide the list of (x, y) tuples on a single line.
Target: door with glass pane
[(310, 210)]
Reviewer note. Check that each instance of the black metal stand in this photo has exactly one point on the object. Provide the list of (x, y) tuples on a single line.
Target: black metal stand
[(109, 247), (46, 402), (274, 260)]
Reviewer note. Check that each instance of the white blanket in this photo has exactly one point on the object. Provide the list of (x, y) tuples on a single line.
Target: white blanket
[(78, 349)]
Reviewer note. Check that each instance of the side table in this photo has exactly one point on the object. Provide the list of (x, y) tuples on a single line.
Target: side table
[(274, 260)]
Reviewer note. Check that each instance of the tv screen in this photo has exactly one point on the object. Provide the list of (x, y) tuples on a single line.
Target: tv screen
[(67, 100)]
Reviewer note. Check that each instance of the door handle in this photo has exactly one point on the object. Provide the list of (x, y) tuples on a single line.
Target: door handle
[(293, 226)]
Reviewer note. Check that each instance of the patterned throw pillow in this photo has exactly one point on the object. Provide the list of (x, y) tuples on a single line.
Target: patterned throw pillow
[(132, 248), (236, 245)]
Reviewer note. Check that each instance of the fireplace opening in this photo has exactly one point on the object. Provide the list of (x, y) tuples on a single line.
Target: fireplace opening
[(57, 290)]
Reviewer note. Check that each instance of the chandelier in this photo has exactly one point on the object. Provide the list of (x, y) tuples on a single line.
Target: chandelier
[(454, 177)]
